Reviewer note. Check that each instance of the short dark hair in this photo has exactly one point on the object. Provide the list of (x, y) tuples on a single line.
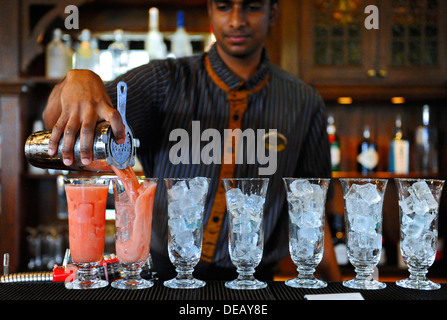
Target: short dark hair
[(272, 2)]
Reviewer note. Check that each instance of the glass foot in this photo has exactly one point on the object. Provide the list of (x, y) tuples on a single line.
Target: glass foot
[(245, 284), (422, 284), (364, 284), (89, 284), (306, 283), (184, 283), (132, 284)]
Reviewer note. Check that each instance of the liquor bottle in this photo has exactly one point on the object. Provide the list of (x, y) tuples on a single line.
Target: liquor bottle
[(334, 143), (68, 51), (426, 145), (155, 46), (120, 54), (337, 227), (86, 57), (181, 43), (399, 153), (367, 154), (56, 51)]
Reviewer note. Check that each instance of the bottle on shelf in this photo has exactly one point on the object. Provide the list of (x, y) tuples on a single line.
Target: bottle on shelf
[(367, 154), (56, 57), (210, 40), (86, 56), (399, 153), (426, 145), (334, 143), (155, 46), (120, 54), (181, 43), (337, 227), (66, 38)]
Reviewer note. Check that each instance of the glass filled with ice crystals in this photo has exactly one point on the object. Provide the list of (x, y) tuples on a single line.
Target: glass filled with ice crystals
[(418, 212), (245, 208), (306, 199), (186, 204), (363, 202)]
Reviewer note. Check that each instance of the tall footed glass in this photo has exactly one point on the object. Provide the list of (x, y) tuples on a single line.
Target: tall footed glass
[(363, 199), (306, 199), (86, 203), (186, 204), (245, 213), (418, 212), (134, 199)]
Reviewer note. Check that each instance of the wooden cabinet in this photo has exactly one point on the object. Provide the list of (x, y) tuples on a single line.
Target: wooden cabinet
[(26, 26), (408, 50)]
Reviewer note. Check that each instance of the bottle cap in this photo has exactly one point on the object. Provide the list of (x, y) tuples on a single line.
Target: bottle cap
[(180, 19)]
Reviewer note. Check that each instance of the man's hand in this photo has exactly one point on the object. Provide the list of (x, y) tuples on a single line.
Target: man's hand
[(76, 104)]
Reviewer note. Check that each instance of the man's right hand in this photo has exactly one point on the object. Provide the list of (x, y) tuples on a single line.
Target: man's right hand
[(76, 104)]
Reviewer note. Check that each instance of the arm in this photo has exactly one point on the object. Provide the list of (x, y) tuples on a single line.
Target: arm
[(75, 105)]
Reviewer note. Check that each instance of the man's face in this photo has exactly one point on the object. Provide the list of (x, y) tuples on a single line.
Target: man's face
[(241, 26)]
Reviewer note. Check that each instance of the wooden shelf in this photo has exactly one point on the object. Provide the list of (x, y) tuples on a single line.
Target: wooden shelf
[(382, 174)]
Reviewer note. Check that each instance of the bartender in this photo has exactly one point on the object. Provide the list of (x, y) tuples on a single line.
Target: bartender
[(232, 86)]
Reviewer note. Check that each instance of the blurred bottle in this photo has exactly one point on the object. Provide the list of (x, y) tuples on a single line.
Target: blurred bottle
[(155, 46), (181, 43), (68, 51), (367, 155), (210, 40), (56, 57), (399, 153), (338, 238), (426, 145), (86, 56), (335, 145), (120, 54)]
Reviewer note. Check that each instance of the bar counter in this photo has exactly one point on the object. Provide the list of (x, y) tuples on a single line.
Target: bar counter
[(214, 291)]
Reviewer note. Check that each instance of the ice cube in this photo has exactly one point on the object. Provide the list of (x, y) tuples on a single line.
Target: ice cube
[(406, 205), (352, 192), (198, 188), (200, 184), (414, 228), (301, 188), (310, 219), (235, 198), (318, 193), (178, 190), (419, 189), (174, 209), (310, 235), (253, 207), (423, 193), (369, 193), (362, 224)]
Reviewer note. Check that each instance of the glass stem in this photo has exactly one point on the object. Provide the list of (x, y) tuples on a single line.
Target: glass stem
[(132, 273), (364, 273), (306, 273), (245, 273), (184, 273), (87, 274), (417, 274)]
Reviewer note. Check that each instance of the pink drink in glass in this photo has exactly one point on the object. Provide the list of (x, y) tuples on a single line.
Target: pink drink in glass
[(86, 221)]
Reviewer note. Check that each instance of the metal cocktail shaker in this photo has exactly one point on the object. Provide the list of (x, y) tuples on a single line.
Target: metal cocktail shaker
[(106, 151)]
